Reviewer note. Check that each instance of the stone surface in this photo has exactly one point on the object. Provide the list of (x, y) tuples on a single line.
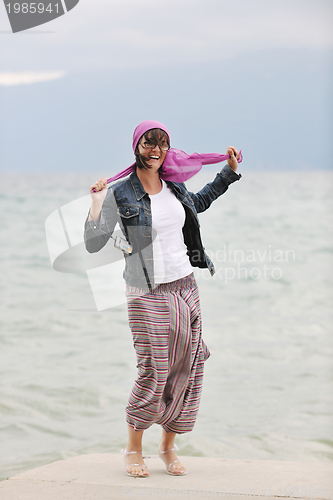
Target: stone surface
[(103, 477)]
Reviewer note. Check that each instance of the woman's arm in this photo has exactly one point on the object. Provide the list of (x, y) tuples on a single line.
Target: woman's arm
[(102, 216), (211, 191)]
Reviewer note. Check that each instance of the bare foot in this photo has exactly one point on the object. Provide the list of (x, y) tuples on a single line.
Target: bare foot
[(172, 463), (135, 463)]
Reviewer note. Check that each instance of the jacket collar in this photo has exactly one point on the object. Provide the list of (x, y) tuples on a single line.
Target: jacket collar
[(139, 190), (174, 186), (137, 186)]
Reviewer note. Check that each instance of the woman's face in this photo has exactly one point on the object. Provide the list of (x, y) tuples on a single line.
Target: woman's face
[(153, 153)]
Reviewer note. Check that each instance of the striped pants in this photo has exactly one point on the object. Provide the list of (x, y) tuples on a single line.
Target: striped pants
[(167, 336)]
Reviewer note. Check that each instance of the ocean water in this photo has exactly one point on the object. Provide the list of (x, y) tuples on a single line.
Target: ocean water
[(66, 369)]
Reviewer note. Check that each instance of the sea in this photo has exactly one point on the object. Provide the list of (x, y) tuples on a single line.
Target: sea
[(67, 363)]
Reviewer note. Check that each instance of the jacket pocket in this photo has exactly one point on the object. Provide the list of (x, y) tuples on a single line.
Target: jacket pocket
[(129, 223), (127, 212)]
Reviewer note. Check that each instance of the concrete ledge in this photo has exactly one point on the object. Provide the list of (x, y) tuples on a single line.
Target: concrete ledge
[(103, 477)]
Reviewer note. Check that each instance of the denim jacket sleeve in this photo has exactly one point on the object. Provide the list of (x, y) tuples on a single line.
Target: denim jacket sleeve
[(97, 233), (211, 191)]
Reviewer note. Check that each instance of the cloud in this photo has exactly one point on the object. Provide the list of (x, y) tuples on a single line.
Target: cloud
[(166, 25), (121, 34), (28, 77)]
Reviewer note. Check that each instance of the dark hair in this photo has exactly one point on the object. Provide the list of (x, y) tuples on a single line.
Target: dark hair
[(154, 135)]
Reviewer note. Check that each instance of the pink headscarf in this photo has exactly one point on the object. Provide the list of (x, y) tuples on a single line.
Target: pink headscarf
[(177, 166)]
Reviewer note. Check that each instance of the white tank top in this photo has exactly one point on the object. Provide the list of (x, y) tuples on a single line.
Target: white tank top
[(169, 250)]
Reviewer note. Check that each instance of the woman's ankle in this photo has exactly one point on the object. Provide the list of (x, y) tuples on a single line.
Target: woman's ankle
[(167, 440), (134, 447), (134, 442)]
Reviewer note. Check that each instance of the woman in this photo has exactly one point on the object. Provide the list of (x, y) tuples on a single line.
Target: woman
[(158, 218)]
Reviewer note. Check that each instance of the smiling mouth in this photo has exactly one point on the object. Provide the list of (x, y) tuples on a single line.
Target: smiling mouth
[(154, 157)]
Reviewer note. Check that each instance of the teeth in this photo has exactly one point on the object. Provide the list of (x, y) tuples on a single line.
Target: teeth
[(155, 157)]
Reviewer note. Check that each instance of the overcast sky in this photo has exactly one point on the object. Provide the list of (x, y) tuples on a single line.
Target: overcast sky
[(258, 72), (129, 33)]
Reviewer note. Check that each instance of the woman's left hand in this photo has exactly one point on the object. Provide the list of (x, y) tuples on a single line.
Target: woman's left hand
[(234, 155)]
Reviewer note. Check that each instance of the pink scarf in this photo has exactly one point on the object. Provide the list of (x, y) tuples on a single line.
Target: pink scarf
[(177, 166)]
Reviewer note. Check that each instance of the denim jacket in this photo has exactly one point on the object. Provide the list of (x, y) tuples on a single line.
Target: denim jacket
[(129, 204)]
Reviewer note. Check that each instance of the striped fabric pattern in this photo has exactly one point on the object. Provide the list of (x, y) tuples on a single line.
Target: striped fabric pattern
[(167, 335)]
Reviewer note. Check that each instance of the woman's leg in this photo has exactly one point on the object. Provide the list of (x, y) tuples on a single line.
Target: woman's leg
[(166, 330), (135, 444), (149, 323), (167, 443), (191, 330)]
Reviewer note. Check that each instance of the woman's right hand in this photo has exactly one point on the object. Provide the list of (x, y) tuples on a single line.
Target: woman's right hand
[(101, 189)]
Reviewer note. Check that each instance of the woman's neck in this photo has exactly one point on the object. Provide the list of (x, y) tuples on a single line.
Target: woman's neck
[(150, 181)]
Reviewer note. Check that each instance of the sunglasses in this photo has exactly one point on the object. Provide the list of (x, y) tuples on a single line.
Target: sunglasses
[(150, 145)]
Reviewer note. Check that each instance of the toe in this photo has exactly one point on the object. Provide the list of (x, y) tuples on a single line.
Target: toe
[(136, 470), (178, 469)]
